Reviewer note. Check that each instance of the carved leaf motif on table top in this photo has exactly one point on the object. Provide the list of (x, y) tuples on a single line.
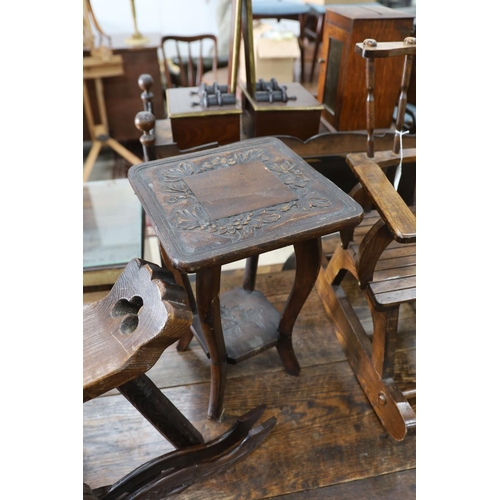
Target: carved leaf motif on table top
[(195, 217)]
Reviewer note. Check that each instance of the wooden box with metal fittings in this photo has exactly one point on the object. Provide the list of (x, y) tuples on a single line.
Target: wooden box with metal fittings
[(275, 109), (204, 114)]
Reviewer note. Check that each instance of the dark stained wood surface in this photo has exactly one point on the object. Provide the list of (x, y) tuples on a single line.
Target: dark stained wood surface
[(126, 332), (191, 131), (396, 214), (236, 202), (192, 239), (397, 485), (341, 143), (328, 442)]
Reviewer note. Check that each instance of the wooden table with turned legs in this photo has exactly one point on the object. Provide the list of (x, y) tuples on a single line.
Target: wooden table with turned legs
[(235, 202)]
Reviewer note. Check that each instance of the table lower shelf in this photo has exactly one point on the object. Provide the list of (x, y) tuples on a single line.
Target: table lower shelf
[(249, 323)]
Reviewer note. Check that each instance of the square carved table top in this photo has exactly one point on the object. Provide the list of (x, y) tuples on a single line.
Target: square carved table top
[(225, 204)]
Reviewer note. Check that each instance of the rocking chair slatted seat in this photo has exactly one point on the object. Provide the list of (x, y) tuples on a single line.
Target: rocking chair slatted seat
[(381, 255)]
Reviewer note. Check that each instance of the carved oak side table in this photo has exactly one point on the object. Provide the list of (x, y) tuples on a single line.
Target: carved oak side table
[(235, 202)]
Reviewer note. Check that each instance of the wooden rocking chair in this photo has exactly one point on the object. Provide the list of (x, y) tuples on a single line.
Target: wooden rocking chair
[(381, 255), (125, 333)]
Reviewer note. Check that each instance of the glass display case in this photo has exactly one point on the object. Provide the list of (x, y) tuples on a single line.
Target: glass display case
[(113, 229)]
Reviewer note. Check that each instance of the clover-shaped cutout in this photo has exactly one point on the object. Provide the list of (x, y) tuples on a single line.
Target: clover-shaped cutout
[(129, 310)]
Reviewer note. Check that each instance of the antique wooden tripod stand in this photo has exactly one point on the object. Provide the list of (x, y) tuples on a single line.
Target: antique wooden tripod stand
[(100, 64)]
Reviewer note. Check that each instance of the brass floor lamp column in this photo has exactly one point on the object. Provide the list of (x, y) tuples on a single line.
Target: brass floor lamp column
[(242, 27)]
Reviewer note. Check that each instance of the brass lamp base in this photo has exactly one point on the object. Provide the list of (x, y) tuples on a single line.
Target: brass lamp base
[(136, 39)]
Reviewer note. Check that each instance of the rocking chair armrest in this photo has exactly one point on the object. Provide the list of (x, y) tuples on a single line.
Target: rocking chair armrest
[(400, 220)]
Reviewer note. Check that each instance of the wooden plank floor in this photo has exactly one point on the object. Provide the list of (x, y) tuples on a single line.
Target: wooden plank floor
[(327, 443)]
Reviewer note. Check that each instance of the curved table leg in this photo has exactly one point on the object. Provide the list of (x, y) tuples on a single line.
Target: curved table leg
[(308, 262), (208, 306)]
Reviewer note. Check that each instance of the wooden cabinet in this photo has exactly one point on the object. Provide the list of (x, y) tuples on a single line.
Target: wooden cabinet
[(342, 80), (122, 94), (299, 117), (197, 125)]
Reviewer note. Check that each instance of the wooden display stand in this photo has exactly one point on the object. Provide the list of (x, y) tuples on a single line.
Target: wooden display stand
[(236, 202), (341, 83), (194, 125)]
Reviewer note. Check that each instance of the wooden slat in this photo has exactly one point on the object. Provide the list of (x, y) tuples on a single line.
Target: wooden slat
[(400, 258), (382, 158), (396, 214), (401, 262), (394, 278), (392, 273), (398, 296), (96, 67), (386, 49), (397, 250), (340, 143), (393, 285)]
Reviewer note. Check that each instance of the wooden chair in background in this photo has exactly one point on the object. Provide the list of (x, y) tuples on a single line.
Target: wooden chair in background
[(185, 66), (124, 334), (312, 32), (381, 255)]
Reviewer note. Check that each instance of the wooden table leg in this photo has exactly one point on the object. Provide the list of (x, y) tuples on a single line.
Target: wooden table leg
[(308, 262), (209, 315), (183, 280), (250, 276)]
